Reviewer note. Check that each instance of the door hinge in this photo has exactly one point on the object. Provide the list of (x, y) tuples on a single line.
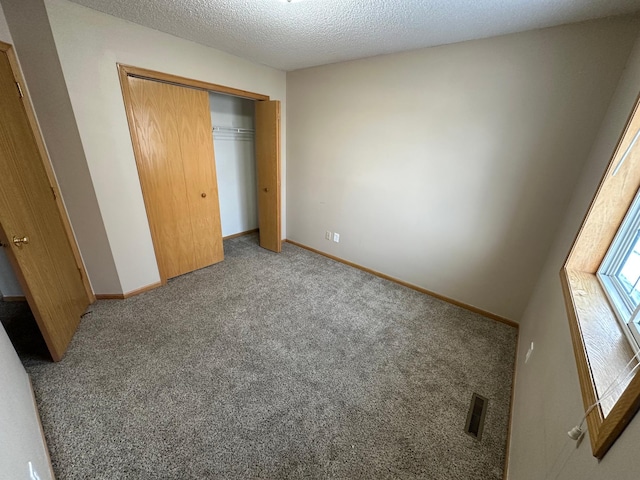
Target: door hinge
[(55, 197), (19, 89), (80, 272)]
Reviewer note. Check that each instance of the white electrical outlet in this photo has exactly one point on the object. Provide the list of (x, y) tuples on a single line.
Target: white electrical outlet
[(327, 235), (336, 237), (529, 352)]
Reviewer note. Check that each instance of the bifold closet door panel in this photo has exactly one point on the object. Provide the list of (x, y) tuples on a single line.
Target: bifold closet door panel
[(161, 173), (161, 120), (200, 175), (267, 119)]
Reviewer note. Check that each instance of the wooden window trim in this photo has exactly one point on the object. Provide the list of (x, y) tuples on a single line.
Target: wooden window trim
[(600, 347)]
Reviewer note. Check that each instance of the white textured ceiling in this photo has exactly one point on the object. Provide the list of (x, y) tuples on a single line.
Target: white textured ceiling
[(306, 33)]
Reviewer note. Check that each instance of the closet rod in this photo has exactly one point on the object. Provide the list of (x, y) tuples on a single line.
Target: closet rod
[(233, 130)]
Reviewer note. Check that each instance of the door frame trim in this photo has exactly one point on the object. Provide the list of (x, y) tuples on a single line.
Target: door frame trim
[(125, 71), (8, 49), (128, 70)]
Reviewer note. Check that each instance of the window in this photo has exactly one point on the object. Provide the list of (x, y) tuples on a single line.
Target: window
[(601, 285), (619, 274)]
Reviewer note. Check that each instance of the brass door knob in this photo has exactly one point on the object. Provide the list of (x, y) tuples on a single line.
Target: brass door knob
[(19, 241), (203, 195)]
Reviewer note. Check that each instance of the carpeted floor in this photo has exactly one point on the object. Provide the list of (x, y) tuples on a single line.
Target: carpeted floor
[(273, 366)]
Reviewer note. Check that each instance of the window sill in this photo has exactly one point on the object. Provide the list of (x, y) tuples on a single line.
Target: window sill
[(602, 352)]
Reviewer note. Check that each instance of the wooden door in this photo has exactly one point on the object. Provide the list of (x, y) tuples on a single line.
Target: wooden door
[(45, 262), (198, 156), (171, 132), (268, 173)]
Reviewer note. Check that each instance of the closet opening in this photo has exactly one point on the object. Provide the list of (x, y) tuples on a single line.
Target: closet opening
[(208, 158), (233, 125)]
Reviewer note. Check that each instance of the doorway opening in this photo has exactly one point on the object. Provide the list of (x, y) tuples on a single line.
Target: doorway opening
[(10, 289), (35, 231), (15, 314)]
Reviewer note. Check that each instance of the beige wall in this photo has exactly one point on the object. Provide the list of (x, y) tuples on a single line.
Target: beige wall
[(449, 167), (547, 396), (21, 443), (89, 45), (5, 36), (35, 47)]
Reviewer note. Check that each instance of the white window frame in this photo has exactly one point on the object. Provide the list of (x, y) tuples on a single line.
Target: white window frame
[(619, 250)]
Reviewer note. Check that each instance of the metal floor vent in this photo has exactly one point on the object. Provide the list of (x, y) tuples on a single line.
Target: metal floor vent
[(475, 417)]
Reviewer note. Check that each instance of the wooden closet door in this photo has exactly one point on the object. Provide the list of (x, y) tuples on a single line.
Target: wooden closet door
[(176, 167), (268, 170), (196, 145)]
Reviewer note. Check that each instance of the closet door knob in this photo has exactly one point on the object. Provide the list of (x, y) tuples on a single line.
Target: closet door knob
[(266, 189), (203, 195)]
